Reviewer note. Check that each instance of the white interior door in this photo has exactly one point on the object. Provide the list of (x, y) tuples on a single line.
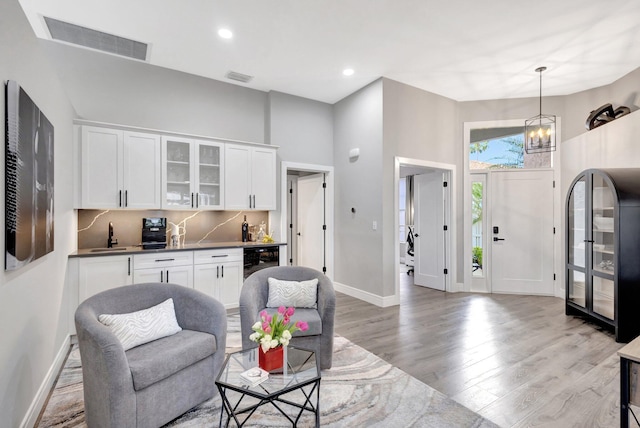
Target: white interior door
[(429, 231), (310, 198), (522, 248)]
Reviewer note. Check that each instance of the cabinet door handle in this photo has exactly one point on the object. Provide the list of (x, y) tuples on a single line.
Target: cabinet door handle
[(222, 255), (164, 260), (161, 276), (120, 198), (167, 275), (197, 200), (254, 201), (249, 201), (126, 198), (223, 271), (191, 199), (217, 271), (128, 266)]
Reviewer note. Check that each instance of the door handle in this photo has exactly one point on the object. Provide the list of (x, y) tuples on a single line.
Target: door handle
[(495, 239)]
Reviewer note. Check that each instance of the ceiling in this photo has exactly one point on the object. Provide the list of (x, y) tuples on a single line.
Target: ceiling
[(462, 49)]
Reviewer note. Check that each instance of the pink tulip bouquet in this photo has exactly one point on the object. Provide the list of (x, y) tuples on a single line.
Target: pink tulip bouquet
[(273, 331)]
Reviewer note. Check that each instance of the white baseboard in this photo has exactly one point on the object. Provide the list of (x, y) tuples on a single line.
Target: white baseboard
[(43, 392), (374, 299)]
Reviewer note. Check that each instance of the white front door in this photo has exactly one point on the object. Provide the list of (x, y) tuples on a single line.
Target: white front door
[(310, 198), (429, 249), (522, 244)]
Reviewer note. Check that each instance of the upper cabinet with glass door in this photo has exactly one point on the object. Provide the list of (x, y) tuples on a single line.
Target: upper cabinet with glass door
[(193, 174)]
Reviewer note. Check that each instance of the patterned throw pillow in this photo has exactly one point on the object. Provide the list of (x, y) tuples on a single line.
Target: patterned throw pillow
[(143, 326), (299, 294)]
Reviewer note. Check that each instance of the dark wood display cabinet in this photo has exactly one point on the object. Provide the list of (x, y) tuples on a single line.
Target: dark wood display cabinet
[(603, 249)]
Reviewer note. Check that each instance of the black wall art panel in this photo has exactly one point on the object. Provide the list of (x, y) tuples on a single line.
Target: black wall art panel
[(29, 180)]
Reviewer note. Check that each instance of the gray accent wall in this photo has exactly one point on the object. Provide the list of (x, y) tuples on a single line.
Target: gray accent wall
[(303, 131), (358, 185), (107, 88), (34, 303), (417, 125)]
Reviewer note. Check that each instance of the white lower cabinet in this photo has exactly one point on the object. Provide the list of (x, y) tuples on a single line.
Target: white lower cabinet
[(97, 274), (169, 267), (218, 273)]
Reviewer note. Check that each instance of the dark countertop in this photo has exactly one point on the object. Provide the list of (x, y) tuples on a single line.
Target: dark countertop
[(137, 249)]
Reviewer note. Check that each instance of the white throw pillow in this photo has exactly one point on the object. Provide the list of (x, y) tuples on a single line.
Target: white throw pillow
[(143, 326), (299, 294)]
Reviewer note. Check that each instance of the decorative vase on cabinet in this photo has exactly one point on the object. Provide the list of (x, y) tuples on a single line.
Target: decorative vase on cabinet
[(603, 249)]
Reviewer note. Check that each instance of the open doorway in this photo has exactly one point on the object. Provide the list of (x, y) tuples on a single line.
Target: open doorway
[(307, 194), (427, 222)]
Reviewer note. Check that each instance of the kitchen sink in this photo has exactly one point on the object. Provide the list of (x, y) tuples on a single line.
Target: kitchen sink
[(103, 250)]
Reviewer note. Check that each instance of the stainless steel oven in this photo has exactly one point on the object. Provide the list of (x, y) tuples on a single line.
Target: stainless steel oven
[(260, 257)]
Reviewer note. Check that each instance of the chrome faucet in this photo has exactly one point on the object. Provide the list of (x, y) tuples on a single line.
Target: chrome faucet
[(111, 241)]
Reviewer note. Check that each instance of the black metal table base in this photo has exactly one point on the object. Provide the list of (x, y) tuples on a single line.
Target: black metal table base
[(233, 412)]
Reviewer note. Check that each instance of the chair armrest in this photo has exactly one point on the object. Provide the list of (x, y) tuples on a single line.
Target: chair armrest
[(106, 374), (200, 312)]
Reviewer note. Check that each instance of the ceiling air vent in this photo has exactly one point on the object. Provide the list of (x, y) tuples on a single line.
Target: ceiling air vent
[(82, 36), (234, 75)]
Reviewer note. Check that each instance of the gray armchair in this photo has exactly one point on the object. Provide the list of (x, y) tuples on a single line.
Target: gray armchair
[(151, 384), (319, 337)]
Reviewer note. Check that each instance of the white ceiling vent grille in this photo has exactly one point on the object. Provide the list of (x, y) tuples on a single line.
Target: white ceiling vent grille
[(93, 39), (234, 75)]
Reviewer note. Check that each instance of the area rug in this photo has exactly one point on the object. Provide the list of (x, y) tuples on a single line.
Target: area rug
[(360, 390)]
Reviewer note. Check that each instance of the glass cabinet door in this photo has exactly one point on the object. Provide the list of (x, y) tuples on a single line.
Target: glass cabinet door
[(603, 248), (577, 243), (178, 173), (209, 176)]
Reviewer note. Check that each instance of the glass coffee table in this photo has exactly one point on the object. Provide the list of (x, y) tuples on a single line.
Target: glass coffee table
[(300, 373)]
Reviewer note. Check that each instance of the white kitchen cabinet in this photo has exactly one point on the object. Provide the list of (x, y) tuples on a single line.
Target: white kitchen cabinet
[(193, 174), (97, 274), (218, 273), (250, 177), (119, 169), (173, 267)]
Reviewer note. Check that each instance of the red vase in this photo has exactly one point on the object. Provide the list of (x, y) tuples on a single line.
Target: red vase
[(270, 360)]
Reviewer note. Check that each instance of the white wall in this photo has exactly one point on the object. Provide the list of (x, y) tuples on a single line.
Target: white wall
[(359, 248), (614, 145), (33, 301)]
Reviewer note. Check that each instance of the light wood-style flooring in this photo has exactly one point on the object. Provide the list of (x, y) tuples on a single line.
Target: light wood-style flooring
[(516, 360)]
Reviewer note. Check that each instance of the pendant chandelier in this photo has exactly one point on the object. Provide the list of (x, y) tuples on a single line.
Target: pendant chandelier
[(540, 131)]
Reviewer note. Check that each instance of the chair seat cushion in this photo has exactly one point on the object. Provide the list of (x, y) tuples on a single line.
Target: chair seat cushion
[(157, 360), (310, 316)]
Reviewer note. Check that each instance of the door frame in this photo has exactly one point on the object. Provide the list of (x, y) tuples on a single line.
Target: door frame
[(285, 168), (558, 256), (449, 219)]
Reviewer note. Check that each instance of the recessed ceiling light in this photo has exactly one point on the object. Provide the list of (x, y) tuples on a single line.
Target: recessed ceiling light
[(348, 71), (225, 33)]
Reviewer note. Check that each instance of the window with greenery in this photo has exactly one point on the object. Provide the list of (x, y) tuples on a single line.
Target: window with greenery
[(500, 148)]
